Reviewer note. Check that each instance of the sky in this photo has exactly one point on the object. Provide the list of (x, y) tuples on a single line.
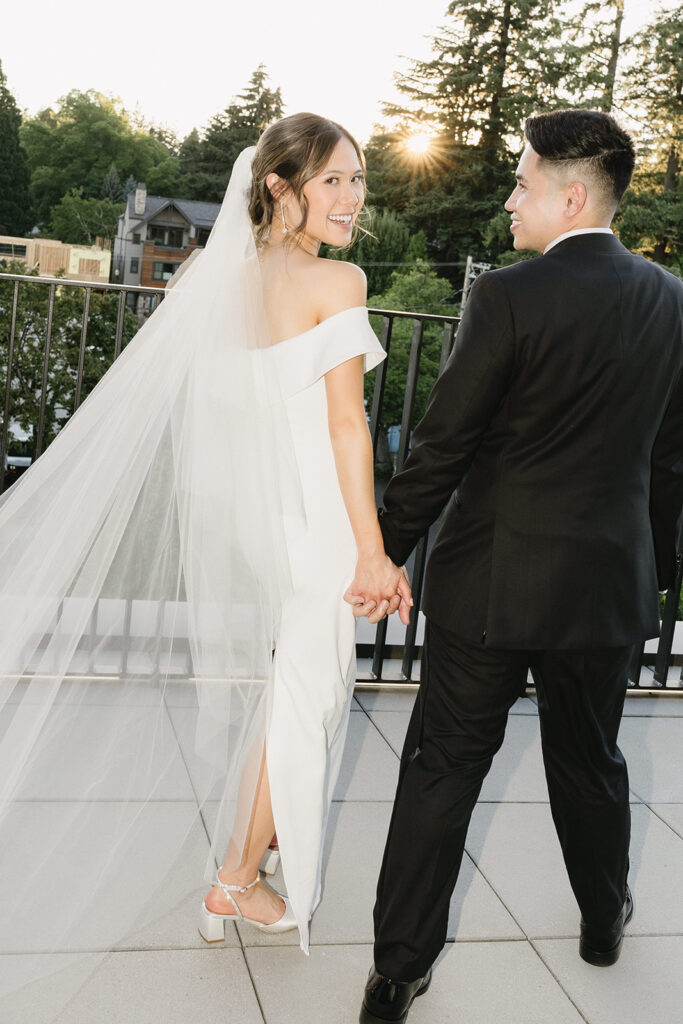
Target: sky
[(182, 61)]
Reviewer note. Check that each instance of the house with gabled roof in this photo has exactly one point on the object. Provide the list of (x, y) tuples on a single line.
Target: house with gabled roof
[(155, 235)]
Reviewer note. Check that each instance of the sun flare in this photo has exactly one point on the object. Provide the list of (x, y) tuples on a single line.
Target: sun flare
[(419, 143)]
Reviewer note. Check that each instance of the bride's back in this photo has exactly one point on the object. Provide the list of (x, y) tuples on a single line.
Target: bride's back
[(288, 280)]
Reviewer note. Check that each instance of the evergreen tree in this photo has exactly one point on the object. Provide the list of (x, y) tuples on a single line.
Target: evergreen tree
[(15, 212), (111, 186), (651, 219), (494, 62), (206, 162)]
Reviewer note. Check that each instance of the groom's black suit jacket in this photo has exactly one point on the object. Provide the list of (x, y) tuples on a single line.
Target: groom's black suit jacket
[(556, 432)]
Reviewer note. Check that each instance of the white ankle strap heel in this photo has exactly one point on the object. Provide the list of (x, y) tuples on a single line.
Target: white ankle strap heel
[(212, 926)]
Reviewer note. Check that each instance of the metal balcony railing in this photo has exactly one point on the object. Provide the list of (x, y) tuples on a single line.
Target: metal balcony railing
[(373, 648)]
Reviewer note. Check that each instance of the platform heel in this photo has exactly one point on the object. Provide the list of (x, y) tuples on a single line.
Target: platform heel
[(212, 926)]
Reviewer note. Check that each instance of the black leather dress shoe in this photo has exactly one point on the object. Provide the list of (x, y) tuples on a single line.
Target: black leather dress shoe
[(601, 947), (388, 1002)]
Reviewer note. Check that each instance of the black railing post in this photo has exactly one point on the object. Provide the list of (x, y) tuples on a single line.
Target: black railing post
[(81, 350), (120, 312), (411, 390), (46, 366), (380, 382), (8, 386), (446, 345)]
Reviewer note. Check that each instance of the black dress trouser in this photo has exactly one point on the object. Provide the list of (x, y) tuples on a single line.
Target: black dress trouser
[(458, 724)]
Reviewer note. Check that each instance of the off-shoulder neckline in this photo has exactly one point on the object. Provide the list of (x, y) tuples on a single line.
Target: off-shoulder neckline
[(294, 337)]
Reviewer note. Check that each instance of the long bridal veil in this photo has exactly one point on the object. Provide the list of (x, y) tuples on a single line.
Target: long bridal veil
[(142, 568)]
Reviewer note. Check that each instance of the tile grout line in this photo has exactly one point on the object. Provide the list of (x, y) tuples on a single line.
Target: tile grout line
[(377, 728), (660, 818), (558, 982), (494, 890), (251, 976)]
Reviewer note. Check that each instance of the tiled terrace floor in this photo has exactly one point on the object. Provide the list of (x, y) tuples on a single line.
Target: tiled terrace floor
[(512, 951)]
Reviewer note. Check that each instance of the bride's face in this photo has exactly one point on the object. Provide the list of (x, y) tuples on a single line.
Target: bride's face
[(335, 197)]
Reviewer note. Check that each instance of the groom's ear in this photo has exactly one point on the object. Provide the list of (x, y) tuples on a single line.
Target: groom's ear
[(576, 197)]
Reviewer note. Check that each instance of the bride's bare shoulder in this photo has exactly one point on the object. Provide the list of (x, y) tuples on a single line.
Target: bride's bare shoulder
[(339, 286)]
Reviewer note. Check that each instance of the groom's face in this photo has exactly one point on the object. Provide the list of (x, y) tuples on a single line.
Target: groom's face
[(537, 205)]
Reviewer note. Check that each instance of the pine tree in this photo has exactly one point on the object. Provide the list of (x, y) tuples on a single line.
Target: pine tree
[(652, 215), (494, 62), (206, 162), (111, 186), (15, 211)]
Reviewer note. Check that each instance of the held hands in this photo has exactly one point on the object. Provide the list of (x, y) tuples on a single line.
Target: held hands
[(380, 588)]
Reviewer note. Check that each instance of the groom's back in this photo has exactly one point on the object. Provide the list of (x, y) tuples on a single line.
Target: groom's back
[(597, 339), (550, 533)]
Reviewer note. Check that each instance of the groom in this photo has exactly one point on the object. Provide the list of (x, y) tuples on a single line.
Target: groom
[(555, 438)]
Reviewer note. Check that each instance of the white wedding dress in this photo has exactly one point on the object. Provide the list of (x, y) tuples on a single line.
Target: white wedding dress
[(314, 665)]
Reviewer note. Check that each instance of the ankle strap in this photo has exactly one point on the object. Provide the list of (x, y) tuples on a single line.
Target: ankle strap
[(235, 888)]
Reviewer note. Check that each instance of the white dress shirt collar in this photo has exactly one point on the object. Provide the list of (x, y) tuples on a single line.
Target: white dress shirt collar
[(577, 231)]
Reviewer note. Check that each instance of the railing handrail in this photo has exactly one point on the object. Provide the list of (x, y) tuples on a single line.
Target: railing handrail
[(32, 279), (150, 290)]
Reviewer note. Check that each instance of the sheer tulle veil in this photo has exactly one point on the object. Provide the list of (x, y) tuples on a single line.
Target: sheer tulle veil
[(142, 571)]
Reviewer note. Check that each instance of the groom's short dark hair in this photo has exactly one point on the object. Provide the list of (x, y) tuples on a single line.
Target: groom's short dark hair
[(586, 137)]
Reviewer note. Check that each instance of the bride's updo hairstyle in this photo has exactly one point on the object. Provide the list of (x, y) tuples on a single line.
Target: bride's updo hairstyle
[(296, 148)]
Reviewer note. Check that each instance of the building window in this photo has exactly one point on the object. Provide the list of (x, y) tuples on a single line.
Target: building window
[(12, 250), (157, 234), (136, 238), (203, 236), (175, 238), (164, 271), (134, 266)]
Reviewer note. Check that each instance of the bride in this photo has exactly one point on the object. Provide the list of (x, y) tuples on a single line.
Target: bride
[(176, 658), (308, 187)]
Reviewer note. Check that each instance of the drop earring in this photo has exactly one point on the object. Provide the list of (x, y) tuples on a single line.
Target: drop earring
[(282, 214)]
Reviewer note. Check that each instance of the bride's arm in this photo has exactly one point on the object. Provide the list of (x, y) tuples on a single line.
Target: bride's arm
[(377, 579)]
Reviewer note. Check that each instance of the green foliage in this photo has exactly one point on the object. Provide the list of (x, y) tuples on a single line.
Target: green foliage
[(76, 145), (78, 220), (651, 220), (206, 160), (15, 212), (165, 179), (27, 369), (419, 289)]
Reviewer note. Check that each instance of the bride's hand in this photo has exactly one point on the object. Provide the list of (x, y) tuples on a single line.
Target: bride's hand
[(378, 589)]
